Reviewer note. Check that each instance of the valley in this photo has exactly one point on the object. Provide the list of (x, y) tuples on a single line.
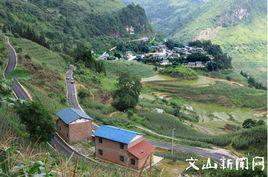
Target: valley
[(90, 76)]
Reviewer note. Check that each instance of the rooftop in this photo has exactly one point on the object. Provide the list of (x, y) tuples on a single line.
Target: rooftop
[(141, 150), (116, 134), (69, 115)]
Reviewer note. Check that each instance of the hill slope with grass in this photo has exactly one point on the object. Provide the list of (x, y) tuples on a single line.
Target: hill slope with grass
[(239, 26), (61, 25)]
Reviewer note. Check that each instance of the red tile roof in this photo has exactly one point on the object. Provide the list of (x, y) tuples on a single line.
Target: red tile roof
[(141, 150)]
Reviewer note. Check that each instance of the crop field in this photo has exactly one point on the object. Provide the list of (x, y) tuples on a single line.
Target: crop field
[(40, 55), (219, 93), (133, 68)]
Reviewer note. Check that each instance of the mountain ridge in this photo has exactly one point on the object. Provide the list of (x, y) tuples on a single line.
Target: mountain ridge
[(239, 26), (63, 24)]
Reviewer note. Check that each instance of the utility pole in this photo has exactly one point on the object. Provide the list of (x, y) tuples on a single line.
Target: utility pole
[(172, 142)]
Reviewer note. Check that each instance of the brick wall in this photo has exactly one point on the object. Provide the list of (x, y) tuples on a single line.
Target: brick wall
[(80, 131), (112, 152), (75, 132), (62, 129)]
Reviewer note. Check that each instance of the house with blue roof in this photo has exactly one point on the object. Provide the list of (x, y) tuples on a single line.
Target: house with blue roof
[(121, 146), (74, 125)]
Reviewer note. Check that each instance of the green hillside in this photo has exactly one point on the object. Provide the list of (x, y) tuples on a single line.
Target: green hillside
[(239, 26), (61, 25)]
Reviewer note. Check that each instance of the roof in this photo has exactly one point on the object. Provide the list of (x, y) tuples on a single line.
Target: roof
[(141, 150), (116, 134), (69, 115)]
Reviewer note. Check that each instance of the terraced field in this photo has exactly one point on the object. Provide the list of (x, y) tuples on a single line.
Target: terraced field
[(217, 102), (40, 55)]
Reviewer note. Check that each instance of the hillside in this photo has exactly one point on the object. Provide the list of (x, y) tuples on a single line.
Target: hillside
[(61, 25), (239, 26)]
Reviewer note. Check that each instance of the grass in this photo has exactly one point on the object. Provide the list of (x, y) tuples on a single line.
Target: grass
[(164, 123), (230, 75), (134, 68), (180, 72), (40, 55), (3, 55)]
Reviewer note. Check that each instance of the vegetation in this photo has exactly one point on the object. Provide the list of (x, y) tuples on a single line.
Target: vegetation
[(127, 94), (249, 123), (219, 93), (63, 25), (171, 44), (134, 46), (84, 54), (181, 72), (132, 68), (221, 60), (243, 38), (251, 138), (198, 57), (252, 82), (37, 120)]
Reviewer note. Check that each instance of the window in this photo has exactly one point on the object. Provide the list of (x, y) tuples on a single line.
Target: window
[(132, 161), (122, 158), (100, 152), (121, 146), (100, 140)]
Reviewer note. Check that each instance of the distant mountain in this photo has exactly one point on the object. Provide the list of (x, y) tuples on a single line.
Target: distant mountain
[(239, 26), (60, 24)]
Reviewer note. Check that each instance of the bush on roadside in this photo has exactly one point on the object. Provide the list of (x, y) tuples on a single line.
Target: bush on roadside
[(37, 120)]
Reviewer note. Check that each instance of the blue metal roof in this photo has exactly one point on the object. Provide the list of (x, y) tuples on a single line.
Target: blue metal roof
[(116, 134), (69, 115)]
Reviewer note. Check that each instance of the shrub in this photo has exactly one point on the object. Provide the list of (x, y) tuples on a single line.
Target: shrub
[(37, 120), (180, 71), (254, 137)]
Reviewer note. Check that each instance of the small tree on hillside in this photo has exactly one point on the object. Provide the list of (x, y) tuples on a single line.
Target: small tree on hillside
[(37, 120), (127, 94)]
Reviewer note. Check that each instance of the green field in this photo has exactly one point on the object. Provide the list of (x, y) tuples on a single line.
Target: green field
[(134, 68), (218, 93)]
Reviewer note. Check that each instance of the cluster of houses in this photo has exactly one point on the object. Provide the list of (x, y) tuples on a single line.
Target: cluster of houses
[(167, 56), (117, 145)]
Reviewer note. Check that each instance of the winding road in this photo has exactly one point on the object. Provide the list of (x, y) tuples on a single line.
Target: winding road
[(57, 143), (215, 154)]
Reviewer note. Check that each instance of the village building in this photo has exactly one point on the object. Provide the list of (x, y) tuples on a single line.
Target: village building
[(123, 147), (165, 62), (73, 125), (104, 56), (197, 64)]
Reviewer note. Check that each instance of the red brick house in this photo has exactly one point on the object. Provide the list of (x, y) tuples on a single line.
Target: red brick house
[(73, 125), (123, 147)]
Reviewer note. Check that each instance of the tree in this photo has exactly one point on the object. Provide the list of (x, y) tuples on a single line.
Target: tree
[(249, 123), (198, 57), (171, 44), (127, 94), (221, 60), (37, 120)]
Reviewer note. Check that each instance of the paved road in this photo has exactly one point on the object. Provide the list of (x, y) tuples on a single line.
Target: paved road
[(215, 154), (17, 88), (21, 93), (12, 60), (71, 89)]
